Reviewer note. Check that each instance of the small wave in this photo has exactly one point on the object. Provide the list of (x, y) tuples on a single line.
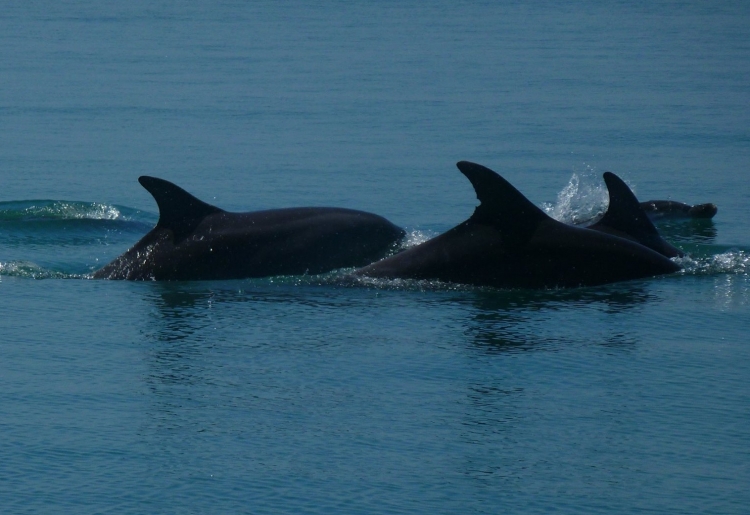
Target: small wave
[(28, 270), (67, 210), (36, 210), (47, 223)]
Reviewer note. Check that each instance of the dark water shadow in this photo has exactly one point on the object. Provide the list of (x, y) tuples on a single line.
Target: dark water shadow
[(180, 335), (507, 335), (301, 290), (687, 231), (177, 336), (615, 297), (535, 320), (197, 335), (188, 384), (184, 315), (182, 309)]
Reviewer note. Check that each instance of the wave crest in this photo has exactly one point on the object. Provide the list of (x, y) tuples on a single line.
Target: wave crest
[(28, 270), (36, 210)]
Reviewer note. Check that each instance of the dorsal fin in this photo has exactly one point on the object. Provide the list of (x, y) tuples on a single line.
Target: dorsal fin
[(625, 215), (502, 205), (178, 210)]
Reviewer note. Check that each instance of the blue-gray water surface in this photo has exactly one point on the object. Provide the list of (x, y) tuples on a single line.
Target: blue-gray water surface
[(311, 395)]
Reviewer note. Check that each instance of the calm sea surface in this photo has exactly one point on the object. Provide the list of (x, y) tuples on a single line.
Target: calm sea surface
[(305, 395)]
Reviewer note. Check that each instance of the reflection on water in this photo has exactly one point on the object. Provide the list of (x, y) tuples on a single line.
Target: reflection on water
[(177, 352), (617, 297), (528, 320), (531, 356), (688, 231), (267, 376), (192, 324), (731, 291)]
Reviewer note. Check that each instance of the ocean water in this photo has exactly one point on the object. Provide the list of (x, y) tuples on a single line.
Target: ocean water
[(309, 395)]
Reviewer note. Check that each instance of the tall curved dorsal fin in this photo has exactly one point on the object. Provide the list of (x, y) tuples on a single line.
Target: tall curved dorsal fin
[(625, 215), (502, 205), (178, 210), (625, 212)]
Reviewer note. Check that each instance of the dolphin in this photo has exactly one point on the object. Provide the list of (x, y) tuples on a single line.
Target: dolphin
[(194, 240), (657, 209), (510, 243), (626, 218)]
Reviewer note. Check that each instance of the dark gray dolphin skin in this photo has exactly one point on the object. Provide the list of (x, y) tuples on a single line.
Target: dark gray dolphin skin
[(626, 218), (196, 241), (510, 243), (657, 209)]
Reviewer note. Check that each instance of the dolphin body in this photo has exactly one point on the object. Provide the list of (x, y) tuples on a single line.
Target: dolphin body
[(626, 218), (510, 243), (194, 240), (658, 209)]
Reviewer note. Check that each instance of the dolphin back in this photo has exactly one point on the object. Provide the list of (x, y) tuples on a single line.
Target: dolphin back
[(510, 243)]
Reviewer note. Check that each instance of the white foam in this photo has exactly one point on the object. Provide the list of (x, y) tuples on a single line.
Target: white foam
[(731, 262)]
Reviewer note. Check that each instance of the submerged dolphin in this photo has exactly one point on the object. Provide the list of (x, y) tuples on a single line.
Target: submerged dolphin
[(657, 209), (626, 218), (510, 243), (194, 240)]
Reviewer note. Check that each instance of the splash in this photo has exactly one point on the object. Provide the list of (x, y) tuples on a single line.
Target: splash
[(732, 262), (416, 237), (419, 285), (584, 199)]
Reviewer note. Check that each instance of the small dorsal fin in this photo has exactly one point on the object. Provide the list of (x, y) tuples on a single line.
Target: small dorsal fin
[(502, 205), (625, 215), (178, 210)]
